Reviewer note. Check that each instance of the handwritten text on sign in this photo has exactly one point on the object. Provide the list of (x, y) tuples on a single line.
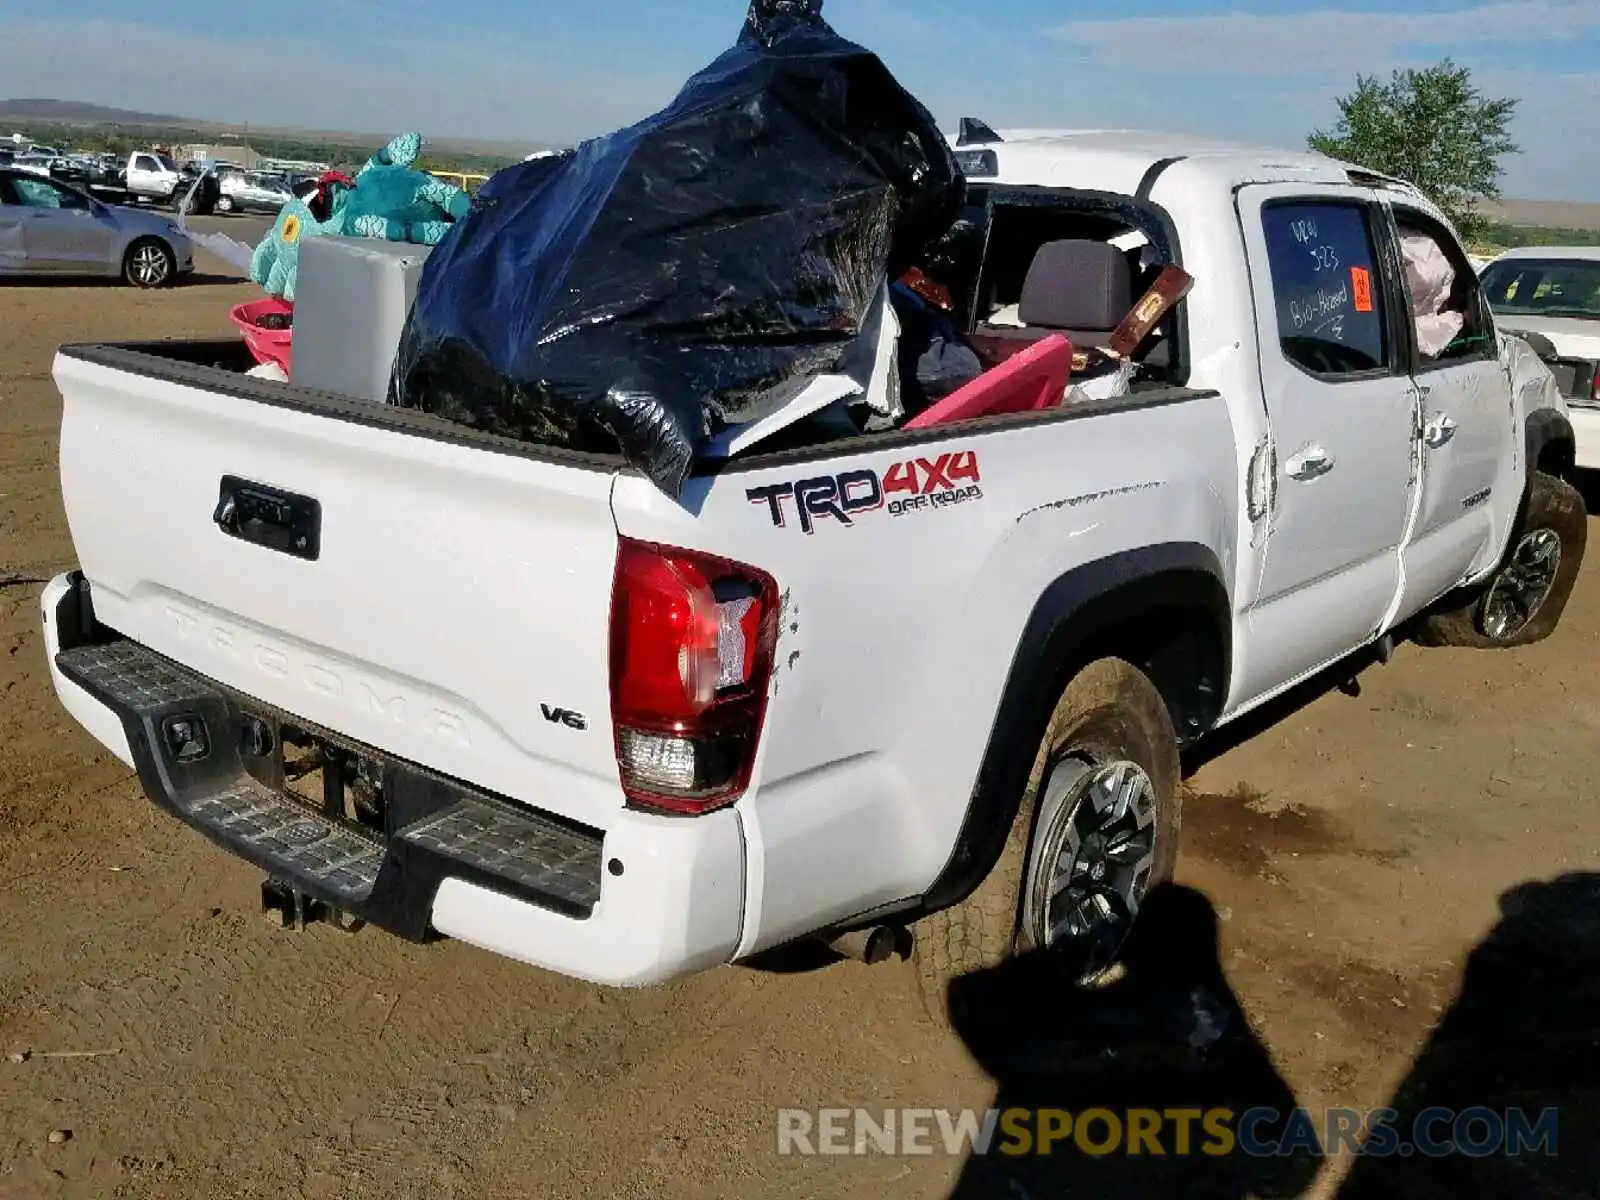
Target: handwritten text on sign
[(1313, 310)]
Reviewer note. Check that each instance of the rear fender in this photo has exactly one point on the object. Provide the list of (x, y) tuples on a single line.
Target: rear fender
[(1078, 618)]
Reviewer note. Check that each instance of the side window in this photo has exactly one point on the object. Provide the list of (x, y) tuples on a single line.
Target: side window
[(1327, 287), (1448, 312), (144, 162), (39, 193)]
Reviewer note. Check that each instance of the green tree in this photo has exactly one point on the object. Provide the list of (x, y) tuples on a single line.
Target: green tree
[(1432, 128)]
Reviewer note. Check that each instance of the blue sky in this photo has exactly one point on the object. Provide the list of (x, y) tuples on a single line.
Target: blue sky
[(557, 70)]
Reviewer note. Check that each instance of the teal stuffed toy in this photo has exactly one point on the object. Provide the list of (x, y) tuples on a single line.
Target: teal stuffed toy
[(390, 201)]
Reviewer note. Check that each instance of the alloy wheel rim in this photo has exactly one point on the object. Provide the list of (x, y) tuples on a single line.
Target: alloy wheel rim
[(1523, 585), (150, 265), (1094, 858)]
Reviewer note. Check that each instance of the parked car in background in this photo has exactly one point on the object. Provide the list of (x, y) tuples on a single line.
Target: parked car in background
[(50, 228), (1551, 295), (70, 170), (253, 192), (34, 164), (106, 171), (152, 177)]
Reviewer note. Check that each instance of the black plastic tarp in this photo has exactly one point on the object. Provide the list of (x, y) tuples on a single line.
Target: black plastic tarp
[(655, 285)]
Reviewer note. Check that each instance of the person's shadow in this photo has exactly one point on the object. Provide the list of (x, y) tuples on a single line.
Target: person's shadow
[(1168, 1035), (1523, 1034)]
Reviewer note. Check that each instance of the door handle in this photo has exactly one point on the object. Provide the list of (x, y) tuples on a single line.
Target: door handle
[(1311, 463), (1439, 431)]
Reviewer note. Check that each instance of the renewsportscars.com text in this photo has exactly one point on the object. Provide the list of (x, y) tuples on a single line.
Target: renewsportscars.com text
[(1178, 1132)]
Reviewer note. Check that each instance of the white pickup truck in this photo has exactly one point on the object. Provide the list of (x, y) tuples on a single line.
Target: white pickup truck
[(934, 681), (152, 177)]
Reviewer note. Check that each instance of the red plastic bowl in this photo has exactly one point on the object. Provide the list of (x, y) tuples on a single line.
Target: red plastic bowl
[(268, 345)]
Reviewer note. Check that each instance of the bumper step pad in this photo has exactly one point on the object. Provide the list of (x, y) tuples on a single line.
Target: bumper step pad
[(538, 856), (127, 676), (434, 827), (295, 842)]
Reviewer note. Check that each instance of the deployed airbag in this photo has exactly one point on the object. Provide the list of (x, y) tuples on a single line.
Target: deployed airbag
[(1431, 279), (658, 285)]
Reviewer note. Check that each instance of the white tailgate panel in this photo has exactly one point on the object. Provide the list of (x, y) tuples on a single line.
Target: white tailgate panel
[(458, 589)]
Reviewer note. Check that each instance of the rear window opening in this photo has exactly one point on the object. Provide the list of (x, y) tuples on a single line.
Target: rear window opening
[(1077, 264)]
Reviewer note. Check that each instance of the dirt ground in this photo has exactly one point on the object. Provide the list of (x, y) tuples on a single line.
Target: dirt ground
[(1353, 855)]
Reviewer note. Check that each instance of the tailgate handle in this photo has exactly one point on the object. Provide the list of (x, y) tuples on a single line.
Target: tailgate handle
[(269, 517)]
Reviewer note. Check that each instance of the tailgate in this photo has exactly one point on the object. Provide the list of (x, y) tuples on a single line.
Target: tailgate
[(433, 593)]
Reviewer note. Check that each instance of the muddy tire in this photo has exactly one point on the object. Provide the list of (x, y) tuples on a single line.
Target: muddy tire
[(1109, 717), (1523, 601)]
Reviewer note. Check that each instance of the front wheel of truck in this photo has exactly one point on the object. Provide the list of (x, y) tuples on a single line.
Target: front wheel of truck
[(1523, 601), (1097, 829)]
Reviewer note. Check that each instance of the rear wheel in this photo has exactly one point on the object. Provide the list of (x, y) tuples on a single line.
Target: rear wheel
[(148, 264), (1523, 601), (1096, 830)]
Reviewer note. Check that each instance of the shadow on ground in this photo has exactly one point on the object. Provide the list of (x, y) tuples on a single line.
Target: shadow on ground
[(1168, 1035), (1523, 1034), (1517, 1056), (1588, 484), (193, 279)]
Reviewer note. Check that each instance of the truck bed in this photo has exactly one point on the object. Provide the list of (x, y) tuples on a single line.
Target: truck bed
[(219, 365)]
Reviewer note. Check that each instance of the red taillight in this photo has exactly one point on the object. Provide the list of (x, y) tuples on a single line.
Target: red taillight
[(692, 640)]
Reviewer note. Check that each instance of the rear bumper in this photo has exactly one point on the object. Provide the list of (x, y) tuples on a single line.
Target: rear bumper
[(647, 900)]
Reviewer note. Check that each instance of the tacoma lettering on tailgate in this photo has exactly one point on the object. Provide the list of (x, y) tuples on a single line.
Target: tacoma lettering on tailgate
[(356, 691), (918, 485)]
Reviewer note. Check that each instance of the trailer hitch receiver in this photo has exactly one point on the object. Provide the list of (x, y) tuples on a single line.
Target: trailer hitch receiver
[(289, 908)]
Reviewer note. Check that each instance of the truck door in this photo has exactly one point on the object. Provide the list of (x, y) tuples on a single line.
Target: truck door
[(1342, 409), (1468, 443), (143, 170)]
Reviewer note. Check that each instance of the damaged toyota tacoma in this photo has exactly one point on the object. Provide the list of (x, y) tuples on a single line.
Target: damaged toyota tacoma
[(931, 680)]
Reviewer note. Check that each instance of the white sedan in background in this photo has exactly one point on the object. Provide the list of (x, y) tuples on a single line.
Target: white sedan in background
[(1553, 293), (252, 192)]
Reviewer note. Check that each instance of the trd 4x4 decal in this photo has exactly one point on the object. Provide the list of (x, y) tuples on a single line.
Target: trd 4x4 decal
[(907, 487)]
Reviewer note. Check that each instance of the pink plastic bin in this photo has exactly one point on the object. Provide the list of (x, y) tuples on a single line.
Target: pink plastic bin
[(268, 345)]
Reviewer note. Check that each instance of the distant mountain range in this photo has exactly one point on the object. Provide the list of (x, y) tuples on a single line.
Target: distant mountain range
[(1547, 214), (75, 112)]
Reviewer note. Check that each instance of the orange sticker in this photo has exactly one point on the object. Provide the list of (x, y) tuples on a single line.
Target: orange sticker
[(1361, 283)]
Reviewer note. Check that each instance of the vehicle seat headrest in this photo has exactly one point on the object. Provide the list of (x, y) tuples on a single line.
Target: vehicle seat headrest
[(1078, 285)]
